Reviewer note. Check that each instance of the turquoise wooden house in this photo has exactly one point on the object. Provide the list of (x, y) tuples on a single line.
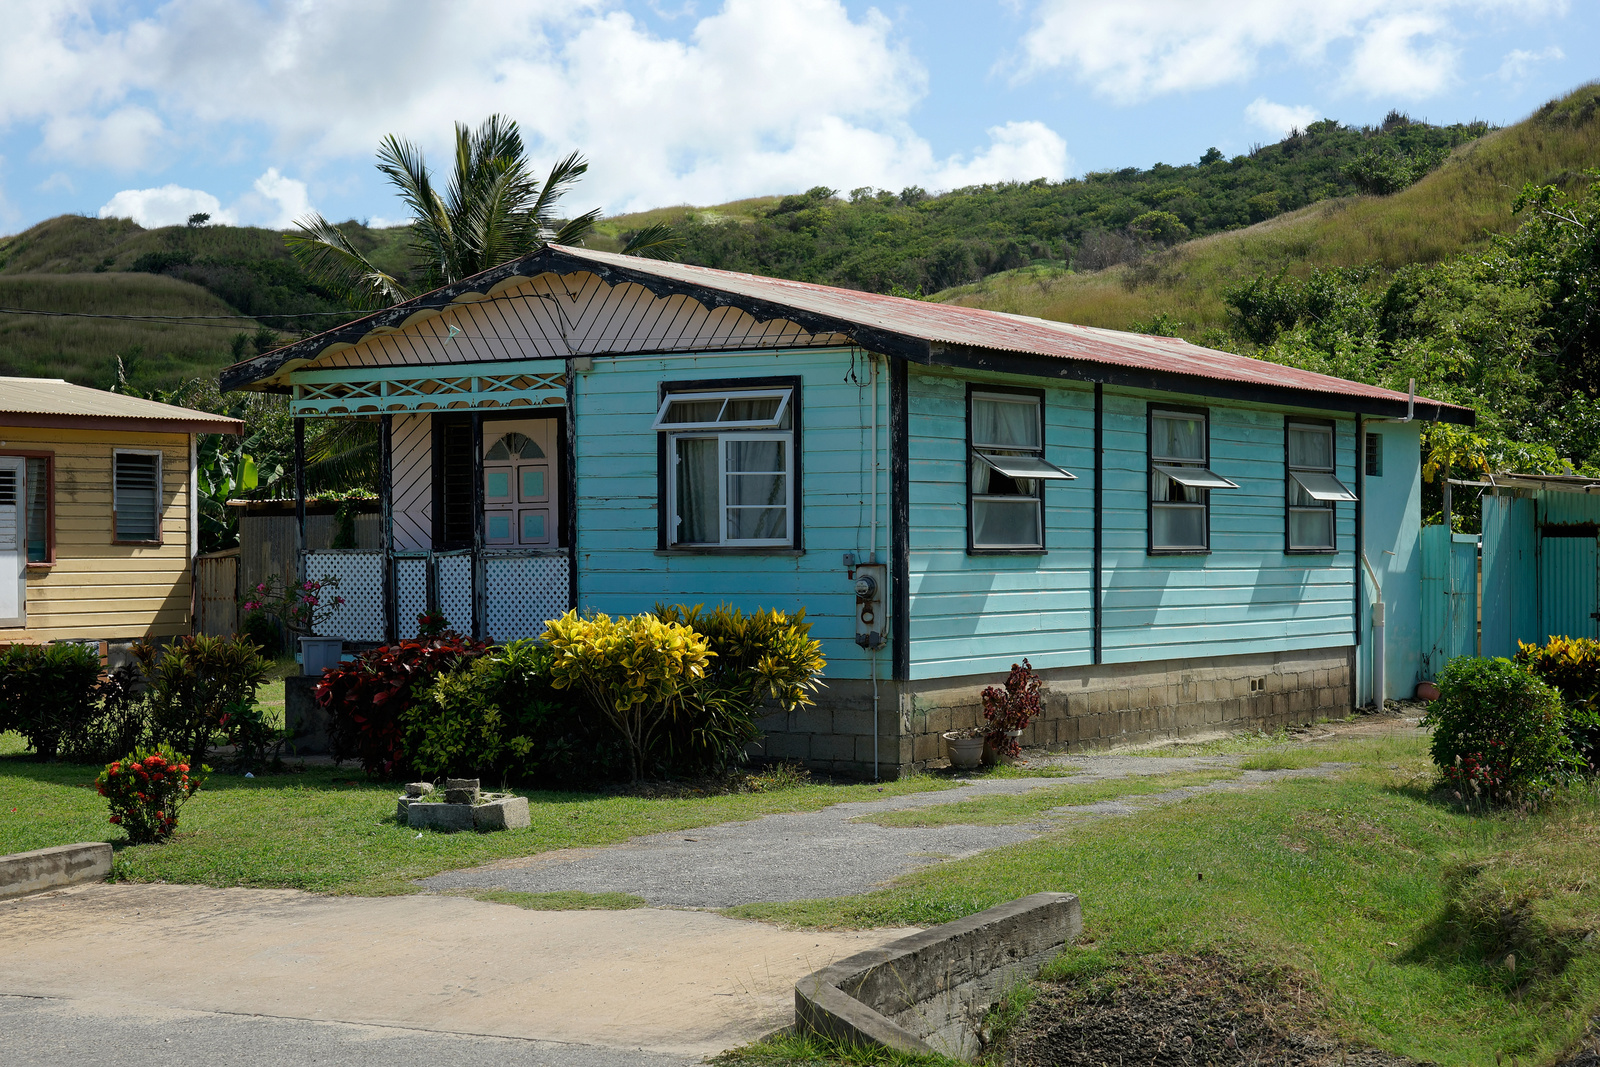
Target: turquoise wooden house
[(1173, 536)]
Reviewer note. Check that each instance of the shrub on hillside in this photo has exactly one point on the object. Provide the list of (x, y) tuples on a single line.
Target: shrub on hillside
[(47, 693), (1572, 665), (366, 697), (1498, 732)]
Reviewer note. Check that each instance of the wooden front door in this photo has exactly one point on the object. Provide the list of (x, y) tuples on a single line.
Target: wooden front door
[(521, 504)]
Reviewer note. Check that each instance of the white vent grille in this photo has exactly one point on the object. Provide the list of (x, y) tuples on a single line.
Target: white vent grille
[(137, 481)]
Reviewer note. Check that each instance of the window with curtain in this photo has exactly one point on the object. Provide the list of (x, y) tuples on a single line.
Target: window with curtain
[(136, 496), (36, 504), (1181, 481), (1007, 471), (730, 468), (1312, 487)]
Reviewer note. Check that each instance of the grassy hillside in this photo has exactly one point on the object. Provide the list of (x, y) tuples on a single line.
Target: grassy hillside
[(1454, 209), (84, 350)]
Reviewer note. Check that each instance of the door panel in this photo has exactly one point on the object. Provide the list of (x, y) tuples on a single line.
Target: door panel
[(520, 468), (13, 543), (1567, 587)]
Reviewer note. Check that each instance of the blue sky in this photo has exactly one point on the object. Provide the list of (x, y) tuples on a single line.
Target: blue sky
[(259, 111)]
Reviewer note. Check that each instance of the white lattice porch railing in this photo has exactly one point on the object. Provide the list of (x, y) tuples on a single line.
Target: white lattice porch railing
[(523, 591), (360, 576)]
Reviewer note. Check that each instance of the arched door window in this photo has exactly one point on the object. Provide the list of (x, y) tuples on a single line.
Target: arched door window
[(520, 502)]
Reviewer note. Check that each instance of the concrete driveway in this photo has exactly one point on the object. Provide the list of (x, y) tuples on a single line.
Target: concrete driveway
[(101, 970)]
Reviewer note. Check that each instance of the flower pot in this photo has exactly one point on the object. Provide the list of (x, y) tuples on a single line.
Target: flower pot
[(1427, 691), (317, 654), (991, 755), (965, 752)]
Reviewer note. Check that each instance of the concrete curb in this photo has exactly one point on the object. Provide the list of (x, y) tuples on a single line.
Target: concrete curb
[(51, 868), (928, 993)]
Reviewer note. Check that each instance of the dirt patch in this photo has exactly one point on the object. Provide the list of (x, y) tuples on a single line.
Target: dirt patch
[(1179, 1011)]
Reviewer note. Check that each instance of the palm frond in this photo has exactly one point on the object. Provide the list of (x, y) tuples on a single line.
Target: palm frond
[(332, 262), (573, 231), (562, 176), (655, 241)]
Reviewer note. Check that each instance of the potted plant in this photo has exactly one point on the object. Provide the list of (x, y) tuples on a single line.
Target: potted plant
[(302, 609), (964, 747), (1008, 711)]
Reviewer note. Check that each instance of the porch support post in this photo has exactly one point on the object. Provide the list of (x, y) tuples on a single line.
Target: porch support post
[(300, 494), (386, 520), (569, 484), (477, 525)]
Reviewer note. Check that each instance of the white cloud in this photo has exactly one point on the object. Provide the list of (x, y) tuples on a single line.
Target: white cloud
[(170, 205), (1279, 118), (760, 95), (1519, 63), (1136, 49), (274, 201)]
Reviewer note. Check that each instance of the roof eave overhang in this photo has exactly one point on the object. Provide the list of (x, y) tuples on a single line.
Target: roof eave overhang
[(967, 358), (121, 423)]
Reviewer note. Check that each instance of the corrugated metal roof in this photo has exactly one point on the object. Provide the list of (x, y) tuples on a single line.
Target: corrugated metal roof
[(54, 397), (882, 323)]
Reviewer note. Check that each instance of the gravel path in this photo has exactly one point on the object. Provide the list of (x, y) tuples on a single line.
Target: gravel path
[(826, 853)]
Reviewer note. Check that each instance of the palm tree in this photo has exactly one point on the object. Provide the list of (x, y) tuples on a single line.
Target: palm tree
[(492, 211)]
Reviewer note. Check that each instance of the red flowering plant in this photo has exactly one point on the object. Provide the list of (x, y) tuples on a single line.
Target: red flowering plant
[(1012, 708), (366, 696), (300, 607), (146, 789), (431, 624)]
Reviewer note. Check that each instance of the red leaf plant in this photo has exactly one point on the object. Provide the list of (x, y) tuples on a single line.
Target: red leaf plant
[(1011, 708)]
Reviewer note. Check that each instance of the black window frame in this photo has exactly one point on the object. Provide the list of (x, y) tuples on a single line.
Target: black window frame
[(1289, 507), (973, 549), (796, 545), (1151, 408)]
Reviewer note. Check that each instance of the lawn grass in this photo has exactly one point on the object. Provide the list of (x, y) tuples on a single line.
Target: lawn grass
[(1397, 907), (331, 830), (1002, 810), (794, 1050)]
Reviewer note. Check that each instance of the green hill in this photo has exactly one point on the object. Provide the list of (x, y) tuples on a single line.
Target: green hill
[(1454, 209), (116, 267)]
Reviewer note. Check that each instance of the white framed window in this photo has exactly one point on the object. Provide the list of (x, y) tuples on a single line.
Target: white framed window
[(730, 468), (747, 409), (1181, 480), (136, 496), (1311, 486), (1007, 471)]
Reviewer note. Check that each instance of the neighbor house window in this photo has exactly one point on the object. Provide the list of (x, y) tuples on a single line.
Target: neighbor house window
[(1181, 481), (730, 467), (37, 489), (1374, 455), (1312, 488), (1007, 471), (136, 496)]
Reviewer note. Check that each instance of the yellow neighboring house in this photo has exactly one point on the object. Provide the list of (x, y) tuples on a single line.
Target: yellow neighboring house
[(98, 512)]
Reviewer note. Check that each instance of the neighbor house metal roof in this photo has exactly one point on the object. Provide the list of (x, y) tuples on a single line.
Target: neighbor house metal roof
[(57, 403), (919, 330)]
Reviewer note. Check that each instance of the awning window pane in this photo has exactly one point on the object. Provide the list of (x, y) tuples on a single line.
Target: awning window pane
[(1196, 477), (1007, 523), (1311, 528), (1311, 446), (1178, 526), (1024, 466), (1320, 486), (763, 410)]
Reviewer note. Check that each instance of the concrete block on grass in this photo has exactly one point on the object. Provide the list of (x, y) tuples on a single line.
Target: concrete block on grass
[(506, 813), (446, 818)]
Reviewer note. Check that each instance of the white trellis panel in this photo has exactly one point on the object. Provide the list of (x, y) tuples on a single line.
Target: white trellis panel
[(522, 593), (360, 576), (454, 576), (411, 593)]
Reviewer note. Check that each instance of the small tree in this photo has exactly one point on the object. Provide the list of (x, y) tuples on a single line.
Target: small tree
[(198, 686)]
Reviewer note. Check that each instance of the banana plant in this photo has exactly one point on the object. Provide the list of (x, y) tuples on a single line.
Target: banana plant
[(224, 471)]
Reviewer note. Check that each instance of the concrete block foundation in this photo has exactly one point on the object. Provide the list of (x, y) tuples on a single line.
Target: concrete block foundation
[(1085, 708)]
